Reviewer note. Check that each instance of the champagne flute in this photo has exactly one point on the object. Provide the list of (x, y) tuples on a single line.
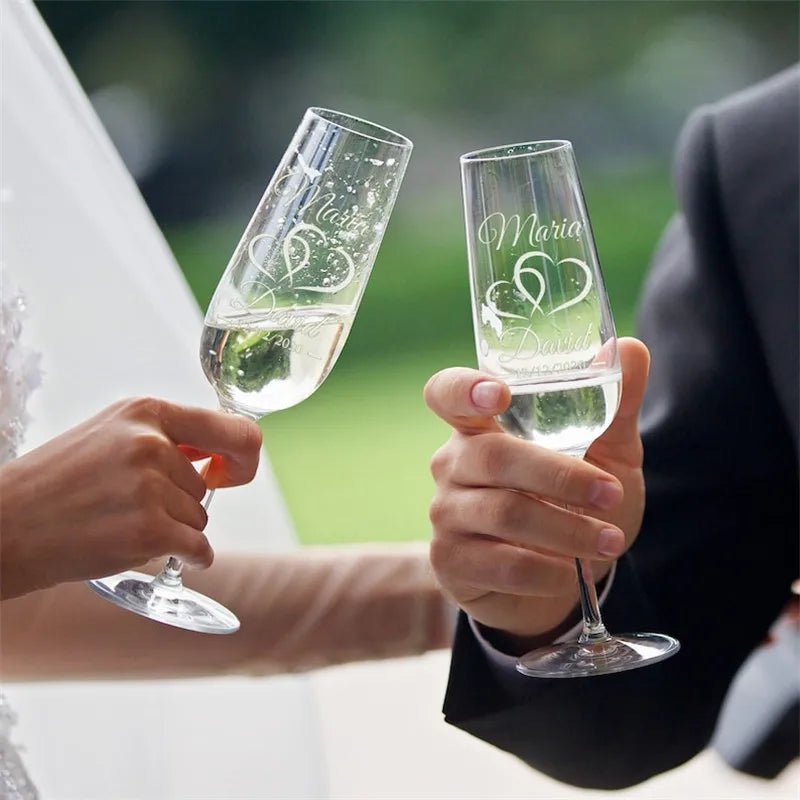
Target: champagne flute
[(543, 324), (282, 310)]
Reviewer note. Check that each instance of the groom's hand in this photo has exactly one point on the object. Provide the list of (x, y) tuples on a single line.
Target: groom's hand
[(117, 491), (503, 544)]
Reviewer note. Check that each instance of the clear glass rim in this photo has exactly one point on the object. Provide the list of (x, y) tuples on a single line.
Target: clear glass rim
[(351, 124), (509, 151)]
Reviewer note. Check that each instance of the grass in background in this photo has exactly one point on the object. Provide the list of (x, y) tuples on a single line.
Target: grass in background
[(352, 461)]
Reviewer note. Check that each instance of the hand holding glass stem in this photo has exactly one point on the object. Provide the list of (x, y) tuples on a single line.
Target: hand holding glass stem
[(282, 311), (543, 324)]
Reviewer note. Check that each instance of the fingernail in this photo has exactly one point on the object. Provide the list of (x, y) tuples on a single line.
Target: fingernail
[(486, 395), (611, 542), (605, 494)]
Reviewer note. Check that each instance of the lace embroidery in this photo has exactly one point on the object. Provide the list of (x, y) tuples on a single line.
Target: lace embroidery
[(19, 371), (14, 781), (19, 376)]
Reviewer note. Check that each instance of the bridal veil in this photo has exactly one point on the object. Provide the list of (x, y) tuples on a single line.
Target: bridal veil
[(111, 316)]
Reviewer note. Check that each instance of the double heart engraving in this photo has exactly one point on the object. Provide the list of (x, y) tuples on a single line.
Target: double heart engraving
[(522, 270), (298, 246)]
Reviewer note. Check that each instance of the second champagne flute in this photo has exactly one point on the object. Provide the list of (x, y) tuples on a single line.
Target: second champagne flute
[(543, 323), (282, 311)]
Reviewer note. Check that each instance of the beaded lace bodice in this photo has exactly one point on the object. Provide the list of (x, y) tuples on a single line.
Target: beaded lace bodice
[(19, 376)]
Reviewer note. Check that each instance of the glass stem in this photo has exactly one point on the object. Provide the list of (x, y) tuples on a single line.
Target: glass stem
[(593, 628), (171, 574)]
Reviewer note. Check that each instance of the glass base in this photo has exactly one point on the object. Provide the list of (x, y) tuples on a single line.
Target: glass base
[(615, 654), (172, 604)]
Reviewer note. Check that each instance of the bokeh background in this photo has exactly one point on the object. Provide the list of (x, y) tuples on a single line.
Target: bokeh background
[(201, 99)]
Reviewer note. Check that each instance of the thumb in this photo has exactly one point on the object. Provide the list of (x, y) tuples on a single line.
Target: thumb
[(466, 399), (634, 360)]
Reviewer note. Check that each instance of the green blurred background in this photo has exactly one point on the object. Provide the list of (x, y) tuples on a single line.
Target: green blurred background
[(202, 97)]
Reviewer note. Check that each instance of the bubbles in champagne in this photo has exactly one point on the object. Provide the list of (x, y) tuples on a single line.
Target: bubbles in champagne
[(566, 416)]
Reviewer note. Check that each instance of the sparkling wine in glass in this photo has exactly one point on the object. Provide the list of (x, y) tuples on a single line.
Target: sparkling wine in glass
[(543, 324), (283, 309)]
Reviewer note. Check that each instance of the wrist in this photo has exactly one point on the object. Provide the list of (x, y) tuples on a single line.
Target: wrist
[(26, 534), (556, 618), (15, 557), (514, 644)]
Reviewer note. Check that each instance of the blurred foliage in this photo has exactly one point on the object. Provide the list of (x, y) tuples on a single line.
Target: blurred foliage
[(201, 98)]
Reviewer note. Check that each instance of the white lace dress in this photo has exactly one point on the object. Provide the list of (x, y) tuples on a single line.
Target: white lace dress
[(112, 317), (19, 376)]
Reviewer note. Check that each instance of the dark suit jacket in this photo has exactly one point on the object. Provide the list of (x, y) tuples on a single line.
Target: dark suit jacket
[(719, 544)]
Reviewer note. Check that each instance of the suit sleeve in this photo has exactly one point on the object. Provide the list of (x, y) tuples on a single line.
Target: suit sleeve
[(718, 546)]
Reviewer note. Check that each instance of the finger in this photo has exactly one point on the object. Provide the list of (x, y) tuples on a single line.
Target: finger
[(468, 566), (635, 364), (184, 508), (215, 464), (192, 453), (502, 461), (466, 399), (184, 475), (215, 473), (236, 439), (527, 522), (189, 545)]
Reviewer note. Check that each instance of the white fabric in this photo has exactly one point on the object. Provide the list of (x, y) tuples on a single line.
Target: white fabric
[(504, 666), (112, 317)]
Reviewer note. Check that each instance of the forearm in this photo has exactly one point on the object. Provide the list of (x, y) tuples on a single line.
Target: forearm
[(303, 610)]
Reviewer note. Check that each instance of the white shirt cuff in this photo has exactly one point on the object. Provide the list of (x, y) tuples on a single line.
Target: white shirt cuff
[(504, 663)]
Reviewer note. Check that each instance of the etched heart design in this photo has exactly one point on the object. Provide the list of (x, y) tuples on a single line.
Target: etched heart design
[(298, 246), (520, 270), (492, 304), (256, 301)]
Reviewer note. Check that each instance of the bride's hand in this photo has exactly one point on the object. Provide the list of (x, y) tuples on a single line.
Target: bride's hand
[(117, 491)]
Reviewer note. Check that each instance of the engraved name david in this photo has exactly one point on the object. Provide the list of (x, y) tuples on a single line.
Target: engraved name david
[(527, 344)]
